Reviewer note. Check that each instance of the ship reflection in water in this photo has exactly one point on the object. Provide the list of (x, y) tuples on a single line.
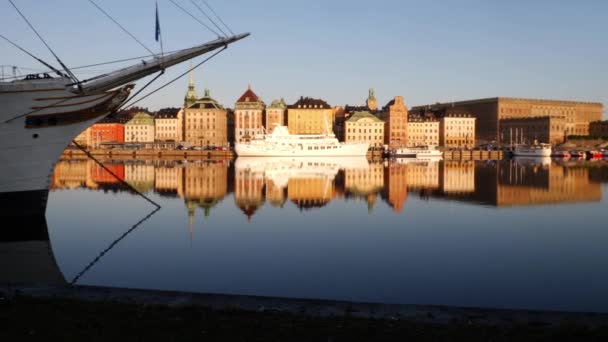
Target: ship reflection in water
[(521, 233)]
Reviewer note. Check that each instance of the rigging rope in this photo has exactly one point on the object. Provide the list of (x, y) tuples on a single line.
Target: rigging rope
[(211, 20), (195, 18), (173, 80), (217, 16), (65, 68), (121, 27)]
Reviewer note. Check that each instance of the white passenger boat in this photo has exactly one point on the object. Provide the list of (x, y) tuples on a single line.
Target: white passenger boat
[(419, 152), (40, 114), (280, 143), (534, 150)]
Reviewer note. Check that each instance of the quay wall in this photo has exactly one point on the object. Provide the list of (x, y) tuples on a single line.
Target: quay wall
[(152, 154)]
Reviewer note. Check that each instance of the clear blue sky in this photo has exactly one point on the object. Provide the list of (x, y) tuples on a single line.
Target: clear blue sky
[(426, 51)]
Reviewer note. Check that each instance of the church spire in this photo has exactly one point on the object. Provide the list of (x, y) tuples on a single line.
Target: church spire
[(371, 102), (191, 94)]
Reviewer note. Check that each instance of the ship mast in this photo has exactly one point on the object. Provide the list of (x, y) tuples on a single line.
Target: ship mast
[(144, 68)]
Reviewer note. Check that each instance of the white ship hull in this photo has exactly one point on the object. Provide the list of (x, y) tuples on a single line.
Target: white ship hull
[(280, 143), (532, 151), (427, 152), (38, 119), (252, 150)]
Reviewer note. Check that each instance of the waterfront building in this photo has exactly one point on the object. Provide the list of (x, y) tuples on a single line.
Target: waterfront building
[(169, 124), (275, 114), (395, 117), (457, 130), (248, 116), (364, 127), (140, 129), (599, 129), (422, 131), (543, 129), (205, 122), (310, 116), (107, 130), (490, 111)]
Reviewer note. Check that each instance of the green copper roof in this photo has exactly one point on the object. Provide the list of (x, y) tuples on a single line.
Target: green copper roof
[(278, 104), (363, 115), (206, 102), (141, 119)]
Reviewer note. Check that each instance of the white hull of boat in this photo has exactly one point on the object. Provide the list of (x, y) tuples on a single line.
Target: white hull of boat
[(532, 153), (37, 122), (254, 150)]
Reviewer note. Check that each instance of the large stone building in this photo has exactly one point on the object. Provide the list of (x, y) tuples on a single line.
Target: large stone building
[(490, 111), (205, 122), (310, 116), (275, 114), (140, 129), (394, 115), (364, 127), (248, 116), (542, 129)]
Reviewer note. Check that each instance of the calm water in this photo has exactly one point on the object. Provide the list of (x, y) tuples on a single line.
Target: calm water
[(513, 234)]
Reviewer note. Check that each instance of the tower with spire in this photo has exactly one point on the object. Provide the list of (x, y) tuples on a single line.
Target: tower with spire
[(371, 102), (191, 97)]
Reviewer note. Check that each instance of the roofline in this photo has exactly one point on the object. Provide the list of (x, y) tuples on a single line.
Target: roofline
[(503, 98)]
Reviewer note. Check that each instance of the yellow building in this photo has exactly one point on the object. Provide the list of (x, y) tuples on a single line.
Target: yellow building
[(457, 131), (248, 116), (310, 116), (275, 114), (140, 128), (206, 122), (364, 127), (169, 125), (423, 132)]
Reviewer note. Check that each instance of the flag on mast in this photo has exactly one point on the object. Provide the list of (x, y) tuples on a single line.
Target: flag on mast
[(157, 23)]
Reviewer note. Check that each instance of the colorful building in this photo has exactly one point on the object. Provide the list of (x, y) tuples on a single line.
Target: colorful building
[(140, 129), (364, 127), (169, 125), (310, 116), (275, 114), (395, 115), (205, 123), (248, 116)]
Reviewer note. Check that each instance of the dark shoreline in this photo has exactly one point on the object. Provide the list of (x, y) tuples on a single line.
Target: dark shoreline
[(82, 310)]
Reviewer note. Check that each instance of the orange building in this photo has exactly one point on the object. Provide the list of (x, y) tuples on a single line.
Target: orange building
[(394, 115)]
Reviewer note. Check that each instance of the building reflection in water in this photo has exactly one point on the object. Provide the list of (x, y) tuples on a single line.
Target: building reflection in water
[(313, 183)]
